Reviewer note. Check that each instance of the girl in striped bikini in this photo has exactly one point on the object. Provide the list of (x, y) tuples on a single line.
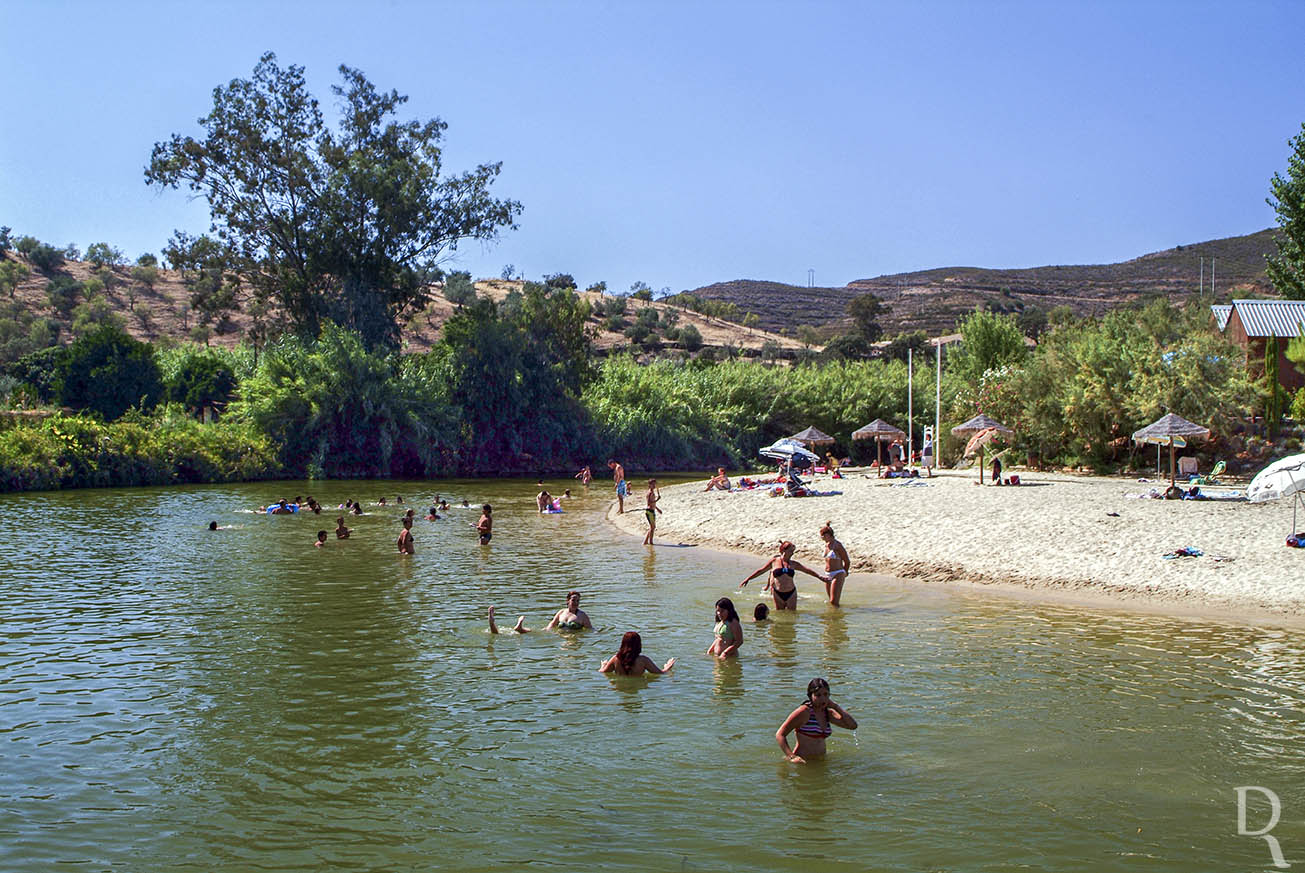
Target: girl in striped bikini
[(814, 720)]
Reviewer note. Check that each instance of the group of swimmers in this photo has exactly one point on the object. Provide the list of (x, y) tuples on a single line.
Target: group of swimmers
[(813, 721), (404, 543)]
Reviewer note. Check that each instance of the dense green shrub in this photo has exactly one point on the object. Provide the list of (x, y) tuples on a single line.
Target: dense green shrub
[(38, 370), (22, 333), (199, 376), (675, 415), (108, 372), (44, 257), (1091, 383), (334, 409), (94, 314), (12, 274), (63, 292), (104, 255), (78, 452)]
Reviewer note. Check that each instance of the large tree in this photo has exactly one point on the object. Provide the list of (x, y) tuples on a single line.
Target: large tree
[(347, 224), (1287, 269)]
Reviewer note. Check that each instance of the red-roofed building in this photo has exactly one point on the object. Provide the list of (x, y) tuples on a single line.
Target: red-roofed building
[(1250, 323)]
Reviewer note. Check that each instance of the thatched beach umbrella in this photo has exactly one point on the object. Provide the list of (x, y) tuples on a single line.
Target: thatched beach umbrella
[(979, 423), (813, 436), (1170, 430), (881, 432)]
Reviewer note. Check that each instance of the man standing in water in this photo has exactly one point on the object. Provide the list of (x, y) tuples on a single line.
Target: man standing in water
[(618, 476)]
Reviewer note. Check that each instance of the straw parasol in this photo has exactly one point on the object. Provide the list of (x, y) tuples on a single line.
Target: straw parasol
[(1170, 430), (977, 425), (813, 436), (881, 432)]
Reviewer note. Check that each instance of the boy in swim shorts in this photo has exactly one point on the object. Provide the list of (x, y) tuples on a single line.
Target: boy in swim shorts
[(618, 476)]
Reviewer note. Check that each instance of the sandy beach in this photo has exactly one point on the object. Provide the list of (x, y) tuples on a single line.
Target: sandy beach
[(1053, 536)]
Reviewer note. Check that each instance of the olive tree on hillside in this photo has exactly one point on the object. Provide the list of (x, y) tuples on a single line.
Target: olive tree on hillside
[(865, 311), (346, 225), (1287, 268)]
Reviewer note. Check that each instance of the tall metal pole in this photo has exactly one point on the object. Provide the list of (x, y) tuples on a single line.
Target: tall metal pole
[(1211, 277), (1202, 287), (937, 408), (910, 408)]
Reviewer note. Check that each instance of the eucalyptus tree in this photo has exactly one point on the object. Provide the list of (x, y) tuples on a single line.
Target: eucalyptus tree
[(346, 224)]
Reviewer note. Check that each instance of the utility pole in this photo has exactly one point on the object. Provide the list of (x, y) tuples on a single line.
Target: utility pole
[(1202, 286), (811, 278), (1211, 276)]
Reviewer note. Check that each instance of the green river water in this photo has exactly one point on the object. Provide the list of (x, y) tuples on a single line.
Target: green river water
[(175, 699)]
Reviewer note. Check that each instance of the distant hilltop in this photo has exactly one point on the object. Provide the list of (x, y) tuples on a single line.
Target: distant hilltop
[(933, 300)]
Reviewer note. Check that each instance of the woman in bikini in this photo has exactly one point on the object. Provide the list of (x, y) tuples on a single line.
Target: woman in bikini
[(405, 537), (814, 721), (654, 494), (629, 660), (729, 631), (837, 564), (571, 616), (780, 582)]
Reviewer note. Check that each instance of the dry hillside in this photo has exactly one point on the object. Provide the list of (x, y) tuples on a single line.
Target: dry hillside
[(933, 300), (163, 310)]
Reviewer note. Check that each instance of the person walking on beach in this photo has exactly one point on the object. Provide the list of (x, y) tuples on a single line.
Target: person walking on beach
[(728, 630), (654, 494), (405, 543), (485, 526), (814, 721), (618, 476), (780, 582), (629, 660), (837, 565)]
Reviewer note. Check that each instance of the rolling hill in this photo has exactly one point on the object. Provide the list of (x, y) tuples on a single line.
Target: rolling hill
[(933, 300)]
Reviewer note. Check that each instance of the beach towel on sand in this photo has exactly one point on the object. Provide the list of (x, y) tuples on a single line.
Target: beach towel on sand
[(1184, 552)]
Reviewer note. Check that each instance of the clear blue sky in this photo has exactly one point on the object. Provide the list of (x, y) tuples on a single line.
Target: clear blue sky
[(683, 143)]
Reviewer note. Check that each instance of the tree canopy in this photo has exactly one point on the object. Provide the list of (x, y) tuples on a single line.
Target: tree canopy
[(1287, 269), (348, 224)]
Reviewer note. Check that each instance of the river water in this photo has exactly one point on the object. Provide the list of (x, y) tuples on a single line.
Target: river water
[(175, 699)]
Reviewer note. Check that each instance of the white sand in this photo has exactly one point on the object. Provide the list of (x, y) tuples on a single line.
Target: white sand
[(1050, 536)]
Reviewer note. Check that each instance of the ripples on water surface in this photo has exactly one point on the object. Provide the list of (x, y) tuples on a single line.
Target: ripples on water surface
[(176, 699)]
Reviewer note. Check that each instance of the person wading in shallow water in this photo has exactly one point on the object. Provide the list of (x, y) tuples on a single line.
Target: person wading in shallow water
[(780, 582), (814, 720), (654, 494), (618, 476)]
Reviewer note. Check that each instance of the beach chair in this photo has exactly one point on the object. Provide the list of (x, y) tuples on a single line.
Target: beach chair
[(1213, 477)]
